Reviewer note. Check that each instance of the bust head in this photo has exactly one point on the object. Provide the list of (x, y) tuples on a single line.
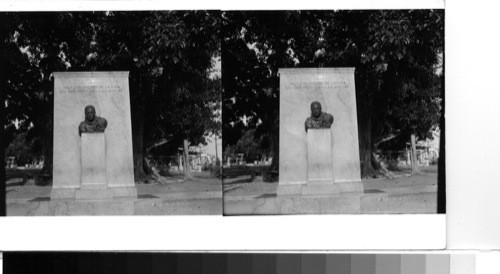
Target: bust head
[(89, 113), (315, 109)]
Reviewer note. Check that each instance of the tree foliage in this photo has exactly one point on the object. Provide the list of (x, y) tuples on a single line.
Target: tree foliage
[(255, 46), (254, 148), (395, 54), (169, 56), (25, 150)]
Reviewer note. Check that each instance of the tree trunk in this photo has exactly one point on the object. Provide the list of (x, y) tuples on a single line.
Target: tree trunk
[(47, 149), (273, 169), (377, 164), (364, 105), (218, 163), (138, 143), (441, 192), (274, 143), (3, 90), (365, 143), (187, 165), (45, 123), (414, 165)]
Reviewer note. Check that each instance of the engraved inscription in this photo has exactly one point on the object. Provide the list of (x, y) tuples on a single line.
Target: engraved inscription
[(91, 89), (317, 85)]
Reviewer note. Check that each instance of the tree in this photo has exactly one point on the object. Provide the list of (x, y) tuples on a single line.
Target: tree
[(394, 53), (169, 56), (255, 46), (253, 148), (24, 149), (398, 96), (4, 25), (36, 44)]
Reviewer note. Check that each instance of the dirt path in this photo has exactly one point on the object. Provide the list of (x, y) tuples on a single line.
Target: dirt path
[(241, 186)]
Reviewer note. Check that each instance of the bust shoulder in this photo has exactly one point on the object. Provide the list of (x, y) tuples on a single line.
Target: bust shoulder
[(101, 121), (328, 117), (308, 123), (82, 128), (82, 125)]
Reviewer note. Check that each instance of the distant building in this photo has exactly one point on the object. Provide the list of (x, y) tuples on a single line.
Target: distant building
[(428, 149)]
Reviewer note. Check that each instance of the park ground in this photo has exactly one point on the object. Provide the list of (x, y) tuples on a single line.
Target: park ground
[(200, 196), (403, 194)]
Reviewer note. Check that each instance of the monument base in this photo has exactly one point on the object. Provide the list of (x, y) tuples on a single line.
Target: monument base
[(354, 186), (94, 183), (320, 177), (295, 189), (62, 193), (308, 189), (93, 193), (346, 203), (72, 207), (124, 191), (322, 188)]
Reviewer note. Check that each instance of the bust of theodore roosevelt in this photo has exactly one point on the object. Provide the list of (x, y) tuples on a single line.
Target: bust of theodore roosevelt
[(318, 118), (92, 122)]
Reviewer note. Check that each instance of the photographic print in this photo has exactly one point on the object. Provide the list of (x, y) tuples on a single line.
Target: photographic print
[(112, 112), (333, 112)]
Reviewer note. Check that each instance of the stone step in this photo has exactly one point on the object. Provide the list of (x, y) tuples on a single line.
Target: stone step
[(93, 194)]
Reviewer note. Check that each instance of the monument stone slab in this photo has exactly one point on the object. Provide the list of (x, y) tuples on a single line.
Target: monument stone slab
[(73, 169), (93, 151), (334, 89), (319, 156)]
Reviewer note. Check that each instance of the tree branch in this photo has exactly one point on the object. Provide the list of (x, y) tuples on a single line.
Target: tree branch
[(159, 143), (384, 139)]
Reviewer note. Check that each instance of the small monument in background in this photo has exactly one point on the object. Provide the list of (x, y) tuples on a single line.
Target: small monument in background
[(323, 159), (92, 159)]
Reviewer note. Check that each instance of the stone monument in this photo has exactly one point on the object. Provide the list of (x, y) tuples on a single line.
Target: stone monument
[(92, 159), (323, 159)]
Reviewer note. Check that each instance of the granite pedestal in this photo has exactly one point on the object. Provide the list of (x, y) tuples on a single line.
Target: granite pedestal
[(93, 152), (319, 163)]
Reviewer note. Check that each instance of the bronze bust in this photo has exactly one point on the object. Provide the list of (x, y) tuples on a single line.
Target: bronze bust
[(92, 122), (318, 118)]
